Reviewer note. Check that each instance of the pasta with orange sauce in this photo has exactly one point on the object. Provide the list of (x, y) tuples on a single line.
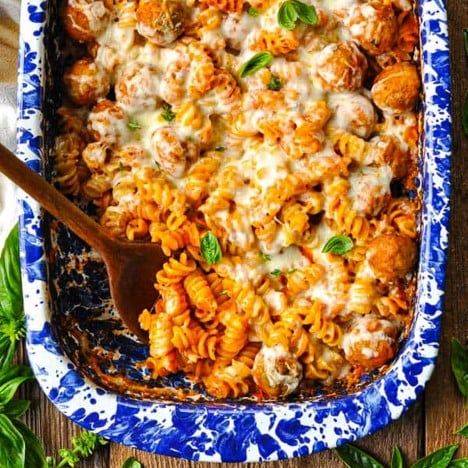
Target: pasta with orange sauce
[(275, 167)]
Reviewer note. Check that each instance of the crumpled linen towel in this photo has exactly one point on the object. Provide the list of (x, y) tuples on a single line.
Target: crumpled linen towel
[(9, 19)]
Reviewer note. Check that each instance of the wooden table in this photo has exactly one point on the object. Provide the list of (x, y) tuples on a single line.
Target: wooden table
[(429, 424)]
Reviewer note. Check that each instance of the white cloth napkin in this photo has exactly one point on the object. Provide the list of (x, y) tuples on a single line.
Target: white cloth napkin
[(9, 18)]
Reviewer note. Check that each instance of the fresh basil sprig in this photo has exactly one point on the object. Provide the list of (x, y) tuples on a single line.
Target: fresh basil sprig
[(397, 458), (12, 445), (253, 12), (167, 114), (356, 458), (83, 445), (265, 257), (255, 63), (276, 273), (133, 125), (19, 447), (463, 431), (292, 10), (459, 361), (210, 248), (132, 462), (12, 327), (338, 245), (439, 459), (275, 83)]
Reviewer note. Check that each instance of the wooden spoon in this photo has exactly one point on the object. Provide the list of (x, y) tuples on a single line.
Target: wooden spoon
[(131, 266)]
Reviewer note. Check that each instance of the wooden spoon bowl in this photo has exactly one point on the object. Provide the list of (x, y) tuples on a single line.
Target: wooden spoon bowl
[(131, 266)]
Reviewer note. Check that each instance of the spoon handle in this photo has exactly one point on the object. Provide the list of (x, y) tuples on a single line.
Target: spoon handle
[(53, 201)]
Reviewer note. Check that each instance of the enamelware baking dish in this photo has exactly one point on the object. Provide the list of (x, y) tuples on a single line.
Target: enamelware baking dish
[(68, 311)]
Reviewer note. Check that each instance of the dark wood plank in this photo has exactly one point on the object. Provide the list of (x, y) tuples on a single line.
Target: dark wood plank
[(444, 404)]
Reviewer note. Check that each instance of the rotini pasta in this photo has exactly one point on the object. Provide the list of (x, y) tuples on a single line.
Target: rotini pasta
[(274, 165)]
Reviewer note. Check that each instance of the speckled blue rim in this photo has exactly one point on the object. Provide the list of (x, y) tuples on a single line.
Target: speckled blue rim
[(228, 432)]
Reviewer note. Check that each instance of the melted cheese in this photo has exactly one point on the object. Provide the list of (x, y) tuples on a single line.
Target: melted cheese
[(277, 172)]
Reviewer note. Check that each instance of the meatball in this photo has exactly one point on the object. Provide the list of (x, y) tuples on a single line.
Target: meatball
[(169, 152), (86, 82), (370, 189), (84, 20), (396, 88), (341, 67), (107, 122), (370, 341), (391, 256), (136, 87), (353, 113), (162, 22), (276, 371), (374, 27)]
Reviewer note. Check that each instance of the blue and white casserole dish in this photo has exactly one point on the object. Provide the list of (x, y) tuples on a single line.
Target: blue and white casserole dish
[(210, 431)]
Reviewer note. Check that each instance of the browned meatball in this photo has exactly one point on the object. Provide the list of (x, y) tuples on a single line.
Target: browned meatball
[(276, 371), (136, 87), (369, 341), (341, 67), (85, 19), (107, 122), (391, 256), (86, 82), (168, 151), (161, 21), (373, 26), (396, 88)]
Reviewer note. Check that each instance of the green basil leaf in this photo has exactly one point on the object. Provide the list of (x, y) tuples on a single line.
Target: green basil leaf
[(438, 459), (459, 360), (16, 408), (356, 458), (133, 125), (338, 245), (210, 248), (465, 37), (221, 149), (167, 113), (276, 272), (253, 12), (292, 10), (11, 299), (306, 13), (8, 389), (12, 445), (15, 371), (265, 257), (34, 450), (12, 326), (132, 463), (255, 63), (397, 458), (460, 463), (7, 349), (465, 115), (274, 84), (463, 431), (287, 15)]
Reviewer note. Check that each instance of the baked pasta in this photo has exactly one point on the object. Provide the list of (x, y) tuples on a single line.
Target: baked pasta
[(271, 149)]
